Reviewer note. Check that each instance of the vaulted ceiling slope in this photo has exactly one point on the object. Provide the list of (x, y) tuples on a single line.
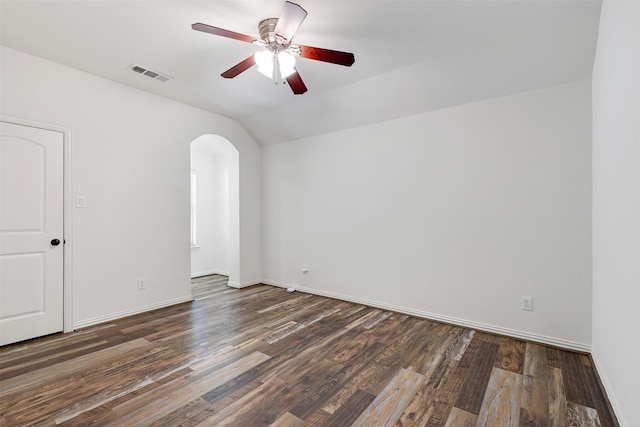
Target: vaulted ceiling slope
[(411, 56)]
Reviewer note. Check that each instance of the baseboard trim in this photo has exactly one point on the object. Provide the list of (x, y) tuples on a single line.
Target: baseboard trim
[(527, 336), (131, 312), (608, 389), (209, 273), (245, 284)]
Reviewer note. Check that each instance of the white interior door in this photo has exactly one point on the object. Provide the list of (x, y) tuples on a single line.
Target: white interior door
[(31, 232)]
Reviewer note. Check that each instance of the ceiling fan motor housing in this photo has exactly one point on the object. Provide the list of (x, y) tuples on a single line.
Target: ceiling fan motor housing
[(267, 29)]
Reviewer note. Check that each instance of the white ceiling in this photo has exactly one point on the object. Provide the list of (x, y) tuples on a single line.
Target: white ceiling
[(411, 56)]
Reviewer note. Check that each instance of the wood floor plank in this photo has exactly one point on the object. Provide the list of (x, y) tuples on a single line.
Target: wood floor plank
[(299, 326), (501, 403), (511, 355), (232, 415), (352, 344), (43, 363), (121, 374), (284, 357), (318, 418), (476, 381), (260, 356), (374, 377), (288, 420), (535, 398), (167, 398), (461, 418), (535, 365), (103, 387), (557, 399), (313, 342), (313, 402), (400, 352), (381, 316), (436, 339), (350, 411), (575, 381), (599, 401), (187, 415), (304, 382), (534, 408), (23, 358), (422, 405), (583, 416), (45, 375), (388, 406), (553, 357), (462, 340), (463, 353), (292, 303)]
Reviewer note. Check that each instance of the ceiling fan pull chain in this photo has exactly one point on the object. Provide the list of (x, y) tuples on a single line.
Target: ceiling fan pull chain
[(277, 75)]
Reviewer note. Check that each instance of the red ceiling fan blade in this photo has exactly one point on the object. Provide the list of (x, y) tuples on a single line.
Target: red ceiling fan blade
[(333, 56), (297, 85), (222, 32), (290, 19), (239, 68)]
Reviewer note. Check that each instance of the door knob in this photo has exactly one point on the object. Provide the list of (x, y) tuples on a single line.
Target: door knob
[(55, 242)]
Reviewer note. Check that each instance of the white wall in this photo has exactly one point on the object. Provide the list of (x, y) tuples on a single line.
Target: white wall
[(221, 190), (211, 158), (616, 207), (453, 214), (131, 160)]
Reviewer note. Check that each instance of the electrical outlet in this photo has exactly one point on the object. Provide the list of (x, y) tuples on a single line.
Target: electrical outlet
[(142, 284), (527, 303), (305, 269)]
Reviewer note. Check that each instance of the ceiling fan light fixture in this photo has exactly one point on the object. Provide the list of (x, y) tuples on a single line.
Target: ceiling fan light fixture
[(287, 64), (264, 61), (267, 62)]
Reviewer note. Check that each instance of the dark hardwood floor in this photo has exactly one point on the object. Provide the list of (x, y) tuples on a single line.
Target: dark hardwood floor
[(262, 356)]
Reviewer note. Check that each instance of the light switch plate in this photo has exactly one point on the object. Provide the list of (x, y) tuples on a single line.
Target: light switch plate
[(81, 201)]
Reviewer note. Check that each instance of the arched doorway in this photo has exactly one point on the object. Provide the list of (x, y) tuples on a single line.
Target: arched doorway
[(215, 232)]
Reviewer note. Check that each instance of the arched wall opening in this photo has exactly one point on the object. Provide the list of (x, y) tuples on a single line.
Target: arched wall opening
[(215, 165)]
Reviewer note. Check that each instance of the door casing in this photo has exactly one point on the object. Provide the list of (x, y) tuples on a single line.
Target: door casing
[(67, 214)]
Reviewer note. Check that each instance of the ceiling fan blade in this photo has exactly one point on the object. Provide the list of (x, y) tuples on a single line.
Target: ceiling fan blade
[(239, 68), (297, 85), (290, 19), (222, 32), (333, 56)]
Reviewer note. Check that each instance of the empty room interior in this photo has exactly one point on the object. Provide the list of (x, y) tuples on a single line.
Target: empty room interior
[(410, 213)]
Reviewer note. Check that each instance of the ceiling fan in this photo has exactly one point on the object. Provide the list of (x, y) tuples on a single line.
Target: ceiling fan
[(277, 60)]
